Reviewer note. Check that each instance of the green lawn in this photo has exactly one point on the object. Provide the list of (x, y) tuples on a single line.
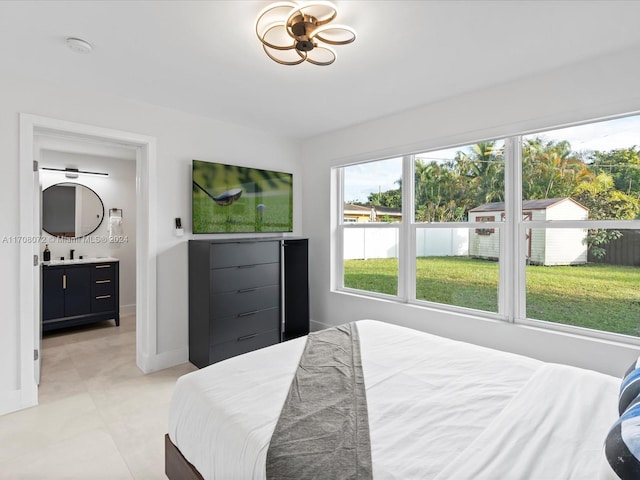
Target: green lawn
[(602, 297)]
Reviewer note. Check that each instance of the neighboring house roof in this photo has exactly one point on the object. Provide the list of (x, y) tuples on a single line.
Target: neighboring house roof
[(387, 211), (366, 210), (348, 207), (540, 204)]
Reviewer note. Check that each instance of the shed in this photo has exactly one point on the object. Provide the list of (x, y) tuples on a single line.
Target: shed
[(545, 246)]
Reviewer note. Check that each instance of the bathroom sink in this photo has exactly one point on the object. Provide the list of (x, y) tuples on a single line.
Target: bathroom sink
[(80, 260)]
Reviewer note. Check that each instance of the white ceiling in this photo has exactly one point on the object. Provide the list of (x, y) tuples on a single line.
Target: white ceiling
[(203, 56)]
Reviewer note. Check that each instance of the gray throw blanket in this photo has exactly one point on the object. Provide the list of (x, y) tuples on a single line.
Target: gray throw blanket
[(323, 429)]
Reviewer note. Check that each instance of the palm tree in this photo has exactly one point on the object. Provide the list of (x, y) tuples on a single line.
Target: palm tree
[(484, 167), (551, 169)]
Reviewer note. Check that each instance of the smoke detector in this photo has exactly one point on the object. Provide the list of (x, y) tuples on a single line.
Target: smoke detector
[(78, 45)]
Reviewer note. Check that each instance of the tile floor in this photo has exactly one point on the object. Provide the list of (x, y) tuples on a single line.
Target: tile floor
[(98, 416)]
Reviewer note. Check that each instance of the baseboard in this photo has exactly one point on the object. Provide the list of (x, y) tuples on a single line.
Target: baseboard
[(160, 361), (15, 400), (127, 309)]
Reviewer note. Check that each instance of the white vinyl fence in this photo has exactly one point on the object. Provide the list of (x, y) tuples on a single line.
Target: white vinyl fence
[(365, 243)]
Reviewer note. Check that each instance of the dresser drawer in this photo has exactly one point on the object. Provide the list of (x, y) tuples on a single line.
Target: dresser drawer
[(250, 253), (241, 345), (231, 328), (242, 302), (232, 279)]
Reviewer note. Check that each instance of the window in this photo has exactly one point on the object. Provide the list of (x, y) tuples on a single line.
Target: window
[(582, 254), (454, 189), (485, 231), (371, 218), (570, 215)]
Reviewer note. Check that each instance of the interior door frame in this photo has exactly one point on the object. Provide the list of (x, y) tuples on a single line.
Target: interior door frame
[(146, 249)]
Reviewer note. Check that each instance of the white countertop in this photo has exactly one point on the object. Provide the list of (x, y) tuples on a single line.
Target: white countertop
[(77, 261)]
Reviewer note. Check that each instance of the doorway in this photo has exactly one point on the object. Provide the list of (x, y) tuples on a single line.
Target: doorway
[(31, 127), (78, 218)]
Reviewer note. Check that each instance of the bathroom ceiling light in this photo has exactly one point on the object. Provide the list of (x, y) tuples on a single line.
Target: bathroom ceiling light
[(73, 172), (78, 45), (292, 33)]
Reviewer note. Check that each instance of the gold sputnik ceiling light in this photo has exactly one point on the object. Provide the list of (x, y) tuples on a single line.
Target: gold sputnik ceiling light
[(292, 33)]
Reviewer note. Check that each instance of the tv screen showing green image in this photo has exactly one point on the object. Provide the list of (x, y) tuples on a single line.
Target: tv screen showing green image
[(233, 199)]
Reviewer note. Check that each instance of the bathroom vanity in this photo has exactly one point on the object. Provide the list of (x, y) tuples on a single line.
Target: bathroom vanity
[(77, 292)]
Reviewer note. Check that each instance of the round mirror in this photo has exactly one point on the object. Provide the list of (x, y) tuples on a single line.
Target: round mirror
[(71, 210)]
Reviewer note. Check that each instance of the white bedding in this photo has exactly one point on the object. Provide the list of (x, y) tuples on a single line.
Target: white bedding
[(438, 409)]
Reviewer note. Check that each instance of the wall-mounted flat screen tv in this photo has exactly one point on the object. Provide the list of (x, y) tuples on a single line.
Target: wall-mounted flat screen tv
[(233, 199)]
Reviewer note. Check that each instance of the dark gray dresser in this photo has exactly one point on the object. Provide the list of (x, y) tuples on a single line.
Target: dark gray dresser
[(245, 294)]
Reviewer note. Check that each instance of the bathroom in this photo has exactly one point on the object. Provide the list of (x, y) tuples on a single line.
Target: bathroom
[(107, 229)]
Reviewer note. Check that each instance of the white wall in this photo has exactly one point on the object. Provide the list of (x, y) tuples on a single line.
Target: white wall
[(118, 190), (180, 138), (595, 89)]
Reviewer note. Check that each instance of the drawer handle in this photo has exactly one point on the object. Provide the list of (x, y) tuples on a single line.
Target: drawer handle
[(246, 314), (101, 297), (247, 290), (247, 337), (103, 281), (103, 266)]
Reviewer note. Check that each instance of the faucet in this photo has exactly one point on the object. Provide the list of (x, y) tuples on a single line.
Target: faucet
[(71, 254)]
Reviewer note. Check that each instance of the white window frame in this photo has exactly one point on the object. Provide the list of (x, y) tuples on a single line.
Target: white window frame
[(512, 271), (337, 276)]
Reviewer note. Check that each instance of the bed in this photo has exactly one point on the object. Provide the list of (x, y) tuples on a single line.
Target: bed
[(437, 409)]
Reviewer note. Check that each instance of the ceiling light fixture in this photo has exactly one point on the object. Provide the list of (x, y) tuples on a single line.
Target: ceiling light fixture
[(73, 172), (78, 45), (292, 33)]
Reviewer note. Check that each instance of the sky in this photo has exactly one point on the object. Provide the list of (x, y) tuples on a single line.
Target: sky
[(363, 179)]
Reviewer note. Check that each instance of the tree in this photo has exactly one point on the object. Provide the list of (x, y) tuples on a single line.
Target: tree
[(484, 168), (624, 167), (441, 212), (440, 194), (605, 202), (551, 169), (389, 198), (446, 191)]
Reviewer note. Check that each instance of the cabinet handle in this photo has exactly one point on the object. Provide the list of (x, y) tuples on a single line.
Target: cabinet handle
[(103, 281), (246, 314), (247, 290), (103, 266), (64, 281), (101, 297), (247, 337)]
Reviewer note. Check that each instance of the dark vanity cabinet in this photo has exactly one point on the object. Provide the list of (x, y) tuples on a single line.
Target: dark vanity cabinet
[(77, 294), (245, 295)]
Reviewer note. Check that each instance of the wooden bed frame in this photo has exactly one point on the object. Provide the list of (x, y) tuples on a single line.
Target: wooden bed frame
[(176, 467)]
